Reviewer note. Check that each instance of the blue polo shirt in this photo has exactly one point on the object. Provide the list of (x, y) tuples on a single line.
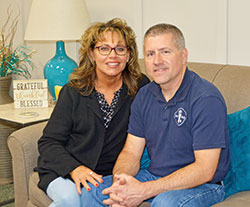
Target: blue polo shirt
[(194, 119)]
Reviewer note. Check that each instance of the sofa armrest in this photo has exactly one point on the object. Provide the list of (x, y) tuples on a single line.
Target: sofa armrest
[(23, 148)]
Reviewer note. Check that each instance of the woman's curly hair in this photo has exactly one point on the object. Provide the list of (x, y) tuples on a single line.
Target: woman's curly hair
[(84, 76)]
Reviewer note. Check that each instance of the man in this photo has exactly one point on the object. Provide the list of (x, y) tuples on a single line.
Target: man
[(182, 119)]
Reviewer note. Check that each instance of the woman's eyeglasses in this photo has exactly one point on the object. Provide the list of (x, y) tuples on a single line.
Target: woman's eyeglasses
[(106, 50)]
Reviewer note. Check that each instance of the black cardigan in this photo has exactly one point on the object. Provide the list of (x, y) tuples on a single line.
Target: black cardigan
[(75, 135)]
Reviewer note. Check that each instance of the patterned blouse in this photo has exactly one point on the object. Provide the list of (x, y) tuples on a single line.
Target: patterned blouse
[(105, 108)]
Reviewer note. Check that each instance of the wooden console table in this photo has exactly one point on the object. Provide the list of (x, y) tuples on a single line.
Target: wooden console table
[(12, 119)]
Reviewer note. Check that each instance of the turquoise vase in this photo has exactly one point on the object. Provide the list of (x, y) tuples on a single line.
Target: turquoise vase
[(58, 69)]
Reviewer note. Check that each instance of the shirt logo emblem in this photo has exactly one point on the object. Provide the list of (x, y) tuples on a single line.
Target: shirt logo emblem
[(180, 116)]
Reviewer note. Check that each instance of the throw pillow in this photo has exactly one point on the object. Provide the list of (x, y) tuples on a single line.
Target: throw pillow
[(57, 90), (238, 177), (145, 160)]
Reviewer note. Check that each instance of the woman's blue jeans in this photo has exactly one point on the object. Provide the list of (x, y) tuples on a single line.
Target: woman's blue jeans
[(63, 193), (202, 196)]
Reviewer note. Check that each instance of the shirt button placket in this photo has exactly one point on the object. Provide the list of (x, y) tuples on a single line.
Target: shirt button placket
[(165, 113)]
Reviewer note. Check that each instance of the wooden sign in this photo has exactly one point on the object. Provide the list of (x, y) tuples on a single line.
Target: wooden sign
[(30, 93)]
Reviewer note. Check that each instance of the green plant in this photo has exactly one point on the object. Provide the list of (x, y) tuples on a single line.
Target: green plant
[(13, 60)]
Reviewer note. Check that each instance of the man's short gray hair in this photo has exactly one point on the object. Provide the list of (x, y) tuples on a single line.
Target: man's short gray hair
[(163, 28)]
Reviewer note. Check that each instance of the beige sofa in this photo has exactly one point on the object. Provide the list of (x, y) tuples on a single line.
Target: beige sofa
[(232, 81)]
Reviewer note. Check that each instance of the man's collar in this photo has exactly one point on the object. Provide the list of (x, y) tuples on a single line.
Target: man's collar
[(185, 85), (180, 93)]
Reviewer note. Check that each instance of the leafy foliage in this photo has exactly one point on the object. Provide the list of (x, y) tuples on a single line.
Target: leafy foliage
[(13, 60)]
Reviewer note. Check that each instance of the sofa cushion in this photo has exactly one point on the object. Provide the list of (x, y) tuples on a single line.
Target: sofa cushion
[(241, 199), (233, 82), (238, 177)]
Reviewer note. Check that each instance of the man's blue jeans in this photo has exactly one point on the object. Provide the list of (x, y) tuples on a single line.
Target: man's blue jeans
[(201, 196)]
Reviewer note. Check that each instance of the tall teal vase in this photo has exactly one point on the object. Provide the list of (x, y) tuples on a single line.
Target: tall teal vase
[(58, 69)]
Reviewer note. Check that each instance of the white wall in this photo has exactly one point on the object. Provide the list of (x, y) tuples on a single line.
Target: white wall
[(216, 31), (13, 8), (239, 32), (203, 23), (130, 10)]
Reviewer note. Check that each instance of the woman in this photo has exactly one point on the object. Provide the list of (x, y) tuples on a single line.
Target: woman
[(88, 126)]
